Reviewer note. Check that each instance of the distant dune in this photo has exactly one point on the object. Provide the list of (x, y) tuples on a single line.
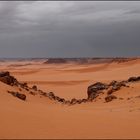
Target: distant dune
[(86, 60)]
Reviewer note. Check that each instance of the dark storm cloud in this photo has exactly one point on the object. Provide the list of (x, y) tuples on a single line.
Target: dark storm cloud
[(69, 29)]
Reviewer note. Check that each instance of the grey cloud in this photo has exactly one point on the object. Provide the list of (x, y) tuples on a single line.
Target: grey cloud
[(69, 29)]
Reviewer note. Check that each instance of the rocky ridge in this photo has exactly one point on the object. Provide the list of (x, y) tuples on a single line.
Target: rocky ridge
[(93, 91)]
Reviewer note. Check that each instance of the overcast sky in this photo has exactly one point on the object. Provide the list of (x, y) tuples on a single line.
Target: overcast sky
[(69, 29)]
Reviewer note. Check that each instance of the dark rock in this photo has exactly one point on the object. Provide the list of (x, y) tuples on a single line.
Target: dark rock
[(4, 73), (97, 86), (79, 101), (34, 87), (112, 83), (40, 91), (110, 98), (32, 93), (18, 95), (10, 80), (84, 100), (57, 98), (116, 86), (27, 89), (133, 79), (21, 96), (51, 95), (62, 100), (6, 78), (73, 101), (44, 94), (95, 89), (23, 85)]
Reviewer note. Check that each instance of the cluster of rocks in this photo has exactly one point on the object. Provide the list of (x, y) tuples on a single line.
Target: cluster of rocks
[(18, 95), (115, 85), (93, 90), (96, 89), (6, 78), (53, 97)]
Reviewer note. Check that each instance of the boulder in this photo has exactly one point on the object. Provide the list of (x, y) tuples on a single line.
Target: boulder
[(21, 96), (34, 87), (18, 95), (109, 98), (10, 80)]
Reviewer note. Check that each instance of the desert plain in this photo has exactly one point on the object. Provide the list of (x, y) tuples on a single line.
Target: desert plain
[(40, 117)]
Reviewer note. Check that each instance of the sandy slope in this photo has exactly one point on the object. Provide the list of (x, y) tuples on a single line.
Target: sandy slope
[(38, 117)]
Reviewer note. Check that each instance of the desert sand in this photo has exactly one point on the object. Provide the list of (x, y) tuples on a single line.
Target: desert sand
[(40, 117)]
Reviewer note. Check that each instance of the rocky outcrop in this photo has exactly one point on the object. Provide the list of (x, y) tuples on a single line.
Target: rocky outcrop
[(115, 85), (134, 79), (6, 78), (53, 97), (94, 90)]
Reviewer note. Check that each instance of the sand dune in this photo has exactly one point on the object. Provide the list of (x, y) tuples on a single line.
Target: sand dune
[(40, 117)]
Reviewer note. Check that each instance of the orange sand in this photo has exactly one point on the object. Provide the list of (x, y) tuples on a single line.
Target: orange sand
[(42, 118)]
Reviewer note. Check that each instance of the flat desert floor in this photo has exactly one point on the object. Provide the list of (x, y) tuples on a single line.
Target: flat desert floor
[(39, 117)]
